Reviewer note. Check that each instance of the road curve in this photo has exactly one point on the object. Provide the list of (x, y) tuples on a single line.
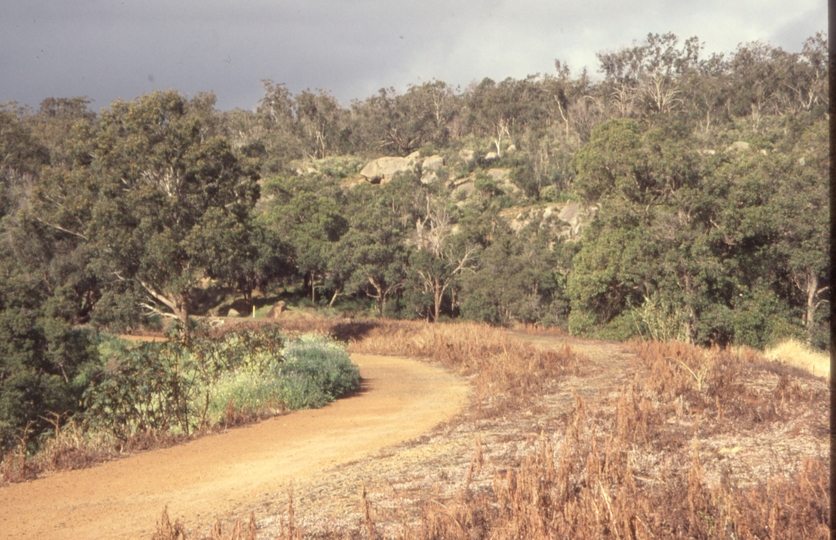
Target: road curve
[(400, 400)]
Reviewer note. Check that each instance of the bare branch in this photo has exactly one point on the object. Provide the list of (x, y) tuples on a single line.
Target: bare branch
[(62, 229)]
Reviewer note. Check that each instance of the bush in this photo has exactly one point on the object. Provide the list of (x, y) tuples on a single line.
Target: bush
[(308, 373), (180, 388), (245, 393), (324, 362)]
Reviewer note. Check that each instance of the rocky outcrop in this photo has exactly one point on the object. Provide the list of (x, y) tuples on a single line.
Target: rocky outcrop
[(463, 190), (567, 220), (433, 163), (430, 167), (429, 177), (383, 169)]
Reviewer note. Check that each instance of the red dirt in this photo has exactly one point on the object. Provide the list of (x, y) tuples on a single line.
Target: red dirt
[(221, 473)]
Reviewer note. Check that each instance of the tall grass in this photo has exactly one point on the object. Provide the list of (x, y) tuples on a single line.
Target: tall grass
[(798, 354), (507, 373)]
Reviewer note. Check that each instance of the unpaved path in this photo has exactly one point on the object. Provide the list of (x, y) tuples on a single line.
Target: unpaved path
[(401, 480), (400, 400)]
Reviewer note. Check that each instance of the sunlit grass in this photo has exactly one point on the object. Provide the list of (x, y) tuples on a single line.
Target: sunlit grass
[(795, 353)]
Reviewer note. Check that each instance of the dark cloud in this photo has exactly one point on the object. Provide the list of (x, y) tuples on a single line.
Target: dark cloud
[(110, 49)]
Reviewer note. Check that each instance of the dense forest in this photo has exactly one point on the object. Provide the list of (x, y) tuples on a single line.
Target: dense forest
[(676, 196)]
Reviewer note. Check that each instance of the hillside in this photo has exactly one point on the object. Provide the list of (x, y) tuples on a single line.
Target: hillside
[(679, 198)]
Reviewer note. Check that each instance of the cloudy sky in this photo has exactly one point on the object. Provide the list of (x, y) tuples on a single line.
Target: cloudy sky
[(109, 49)]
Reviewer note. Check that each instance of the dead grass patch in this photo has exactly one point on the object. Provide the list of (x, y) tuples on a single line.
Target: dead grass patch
[(798, 354)]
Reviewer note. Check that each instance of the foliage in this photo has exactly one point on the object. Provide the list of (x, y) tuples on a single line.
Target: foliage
[(184, 387), (316, 370), (162, 203), (44, 361)]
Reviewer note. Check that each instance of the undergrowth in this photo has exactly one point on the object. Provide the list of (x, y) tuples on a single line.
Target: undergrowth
[(152, 395)]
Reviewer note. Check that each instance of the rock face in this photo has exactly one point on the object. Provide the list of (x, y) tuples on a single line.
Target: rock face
[(383, 169), (433, 163), (430, 168), (567, 220), (463, 191), (429, 177), (276, 310)]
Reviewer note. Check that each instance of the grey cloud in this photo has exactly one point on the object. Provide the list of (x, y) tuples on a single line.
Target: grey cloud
[(108, 49)]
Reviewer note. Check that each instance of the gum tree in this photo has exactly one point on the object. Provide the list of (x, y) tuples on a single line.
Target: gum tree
[(151, 192)]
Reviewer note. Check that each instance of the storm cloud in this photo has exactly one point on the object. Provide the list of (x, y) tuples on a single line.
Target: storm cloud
[(110, 49)]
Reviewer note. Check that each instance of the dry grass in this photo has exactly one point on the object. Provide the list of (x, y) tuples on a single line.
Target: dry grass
[(71, 448), (795, 353), (177, 531), (506, 372), (673, 454)]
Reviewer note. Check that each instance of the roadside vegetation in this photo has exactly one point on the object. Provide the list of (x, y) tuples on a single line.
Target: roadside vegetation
[(146, 395)]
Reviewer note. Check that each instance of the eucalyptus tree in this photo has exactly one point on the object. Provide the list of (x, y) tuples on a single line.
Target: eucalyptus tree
[(156, 199), (645, 78), (322, 123), (22, 157), (650, 235), (439, 259), (373, 256), (393, 123), (307, 212), (499, 111)]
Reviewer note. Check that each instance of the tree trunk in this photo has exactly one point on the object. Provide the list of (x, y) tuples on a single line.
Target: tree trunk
[(813, 292), (334, 298), (182, 313), (438, 295)]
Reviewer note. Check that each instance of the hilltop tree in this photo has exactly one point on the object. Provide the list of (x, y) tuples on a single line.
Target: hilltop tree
[(21, 161), (645, 78), (321, 123), (395, 123), (499, 110)]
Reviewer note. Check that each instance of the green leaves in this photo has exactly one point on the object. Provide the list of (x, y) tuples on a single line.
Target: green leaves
[(161, 202)]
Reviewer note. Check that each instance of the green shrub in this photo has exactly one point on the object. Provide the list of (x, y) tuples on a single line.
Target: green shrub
[(300, 391), (246, 392), (181, 388), (324, 361)]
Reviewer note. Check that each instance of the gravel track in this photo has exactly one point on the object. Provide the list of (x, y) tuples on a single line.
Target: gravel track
[(222, 474)]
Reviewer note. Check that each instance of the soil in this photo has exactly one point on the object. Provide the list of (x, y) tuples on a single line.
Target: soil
[(222, 474)]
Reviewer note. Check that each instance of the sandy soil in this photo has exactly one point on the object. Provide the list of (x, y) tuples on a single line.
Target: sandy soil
[(223, 473)]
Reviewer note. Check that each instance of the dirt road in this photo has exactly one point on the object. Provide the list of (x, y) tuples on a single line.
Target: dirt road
[(216, 474)]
